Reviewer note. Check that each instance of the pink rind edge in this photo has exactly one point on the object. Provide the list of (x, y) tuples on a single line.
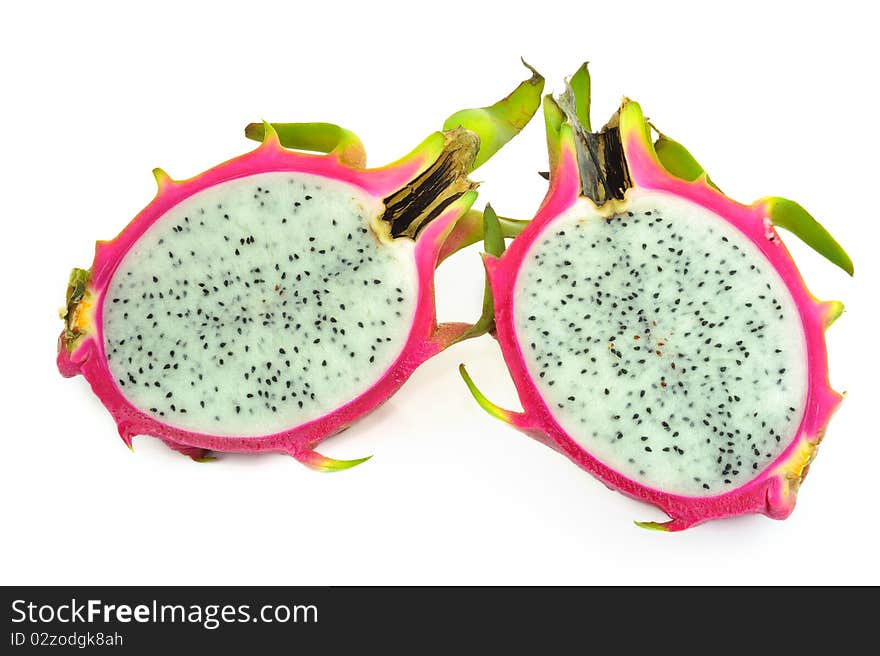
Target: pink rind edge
[(773, 492), (425, 338)]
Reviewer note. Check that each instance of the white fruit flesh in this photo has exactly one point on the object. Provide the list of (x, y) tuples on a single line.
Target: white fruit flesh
[(663, 342), (257, 305)]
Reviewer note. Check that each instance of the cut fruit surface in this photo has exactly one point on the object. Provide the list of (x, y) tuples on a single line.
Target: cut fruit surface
[(231, 313), (663, 342)]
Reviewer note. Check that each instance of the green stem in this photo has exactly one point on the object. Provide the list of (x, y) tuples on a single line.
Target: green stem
[(315, 137), (493, 243), (470, 229), (791, 216), (499, 123), (580, 89), (783, 213), (676, 159)]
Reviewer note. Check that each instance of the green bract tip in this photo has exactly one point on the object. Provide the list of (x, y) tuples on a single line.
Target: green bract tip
[(499, 123)]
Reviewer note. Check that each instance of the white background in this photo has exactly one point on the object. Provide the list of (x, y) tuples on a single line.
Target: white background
[(774, 98)]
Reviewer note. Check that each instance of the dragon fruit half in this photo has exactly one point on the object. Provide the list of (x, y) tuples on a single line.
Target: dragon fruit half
[(658, 333), (273, 300)]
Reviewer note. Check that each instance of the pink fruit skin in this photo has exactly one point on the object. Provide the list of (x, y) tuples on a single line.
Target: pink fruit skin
[(773, 492), (425, 338)]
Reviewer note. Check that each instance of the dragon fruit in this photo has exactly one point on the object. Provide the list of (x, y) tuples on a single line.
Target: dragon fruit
[(657, 332), (271, 301)]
